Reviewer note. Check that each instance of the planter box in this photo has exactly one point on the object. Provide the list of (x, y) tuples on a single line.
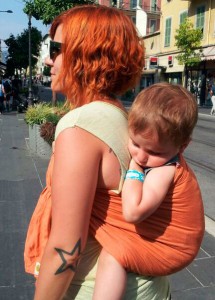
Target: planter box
[(37, 144)]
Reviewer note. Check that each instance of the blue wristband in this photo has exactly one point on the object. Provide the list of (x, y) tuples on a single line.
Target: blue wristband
[(134, 174)]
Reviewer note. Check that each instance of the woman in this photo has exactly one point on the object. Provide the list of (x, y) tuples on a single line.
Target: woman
[(95, 55)]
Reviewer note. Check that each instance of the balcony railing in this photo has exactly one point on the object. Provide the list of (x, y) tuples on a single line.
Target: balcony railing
[(124, 4), (151, 9)]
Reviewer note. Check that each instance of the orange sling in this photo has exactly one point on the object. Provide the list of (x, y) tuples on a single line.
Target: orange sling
[(164, 243), (39, 227)]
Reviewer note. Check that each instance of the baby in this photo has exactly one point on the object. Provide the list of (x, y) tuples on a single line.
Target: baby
[(160, 195)]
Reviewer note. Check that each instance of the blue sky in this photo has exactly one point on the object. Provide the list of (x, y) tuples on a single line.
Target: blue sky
[(16, 22)]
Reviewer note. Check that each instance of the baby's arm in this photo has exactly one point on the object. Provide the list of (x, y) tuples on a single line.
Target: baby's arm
[(140, 200)]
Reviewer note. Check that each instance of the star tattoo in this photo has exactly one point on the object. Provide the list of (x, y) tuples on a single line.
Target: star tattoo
[(65, 265)]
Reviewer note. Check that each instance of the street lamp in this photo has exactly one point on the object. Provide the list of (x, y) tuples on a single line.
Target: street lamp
[(7, 11), (30, 94)]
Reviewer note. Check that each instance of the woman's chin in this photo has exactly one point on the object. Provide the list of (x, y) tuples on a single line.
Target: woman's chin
[(55, 87)]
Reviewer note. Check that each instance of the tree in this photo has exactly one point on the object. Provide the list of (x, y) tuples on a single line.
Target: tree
[(18, 50), (188, 41), (47, 71), (12, 57), (47, 10)]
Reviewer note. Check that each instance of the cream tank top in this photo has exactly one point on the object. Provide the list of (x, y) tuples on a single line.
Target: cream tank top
[(105, 121)]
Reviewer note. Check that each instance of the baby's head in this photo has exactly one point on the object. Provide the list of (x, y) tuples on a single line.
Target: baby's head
[(168, 110)]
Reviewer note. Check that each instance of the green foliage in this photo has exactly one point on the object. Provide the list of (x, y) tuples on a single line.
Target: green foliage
[(47, 71), (47, 117), (38, 114), (61, 109), (188, 41), (52, 118), (47, 10), (44, 113), (18, 50)]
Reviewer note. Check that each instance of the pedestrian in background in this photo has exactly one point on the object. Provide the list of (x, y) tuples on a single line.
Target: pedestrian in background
[(16, 86), (7, 90), (1, 97), (212, 112)]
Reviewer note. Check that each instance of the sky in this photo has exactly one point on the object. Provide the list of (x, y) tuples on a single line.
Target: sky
[(16, 22)]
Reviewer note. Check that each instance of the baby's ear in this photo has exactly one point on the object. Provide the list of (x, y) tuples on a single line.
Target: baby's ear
[(184, 146)]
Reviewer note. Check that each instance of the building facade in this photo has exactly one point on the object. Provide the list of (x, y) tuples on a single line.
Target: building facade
[(44, 52), (202, 14), (146, 15), (2, 63), (157, 22), (161, 52)]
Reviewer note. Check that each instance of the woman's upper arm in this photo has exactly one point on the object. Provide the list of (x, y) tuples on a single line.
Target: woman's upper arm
[(74, 181)]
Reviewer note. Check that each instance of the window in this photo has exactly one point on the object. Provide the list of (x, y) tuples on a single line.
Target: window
[(113, 3), (133, 18), (167, 32), (153, 5), (133, 4), (200, 17), (121, 4), (152, 26), (183, 16)]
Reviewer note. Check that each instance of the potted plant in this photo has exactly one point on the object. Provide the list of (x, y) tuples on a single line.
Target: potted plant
[(47, 129), (42, 119)]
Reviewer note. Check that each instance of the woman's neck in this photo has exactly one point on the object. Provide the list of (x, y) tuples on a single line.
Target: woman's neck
[(110, 99)]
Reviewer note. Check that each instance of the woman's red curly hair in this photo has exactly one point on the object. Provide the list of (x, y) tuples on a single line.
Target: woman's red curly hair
[(102, 53)]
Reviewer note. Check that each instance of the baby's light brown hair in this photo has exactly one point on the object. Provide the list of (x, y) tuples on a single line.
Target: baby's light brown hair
[(170, 110)]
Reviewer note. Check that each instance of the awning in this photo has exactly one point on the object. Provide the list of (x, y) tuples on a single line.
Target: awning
[(153, 59), (149, 71), (175, 69), (208, 53)]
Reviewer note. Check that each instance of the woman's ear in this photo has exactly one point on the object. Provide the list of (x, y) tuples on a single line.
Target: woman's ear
[(184, 146)]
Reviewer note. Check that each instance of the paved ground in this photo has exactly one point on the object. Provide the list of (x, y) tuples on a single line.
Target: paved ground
[(22, 177)]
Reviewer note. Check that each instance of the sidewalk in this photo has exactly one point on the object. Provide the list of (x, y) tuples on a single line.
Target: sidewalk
[(205, 110), (22, 177)]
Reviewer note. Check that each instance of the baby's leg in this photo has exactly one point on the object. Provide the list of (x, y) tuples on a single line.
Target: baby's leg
[(110, 278)]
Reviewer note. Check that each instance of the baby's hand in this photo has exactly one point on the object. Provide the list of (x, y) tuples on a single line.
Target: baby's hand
[(134, 166)]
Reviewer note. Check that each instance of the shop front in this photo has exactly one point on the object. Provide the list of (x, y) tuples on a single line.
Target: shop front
[(202, 78)]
